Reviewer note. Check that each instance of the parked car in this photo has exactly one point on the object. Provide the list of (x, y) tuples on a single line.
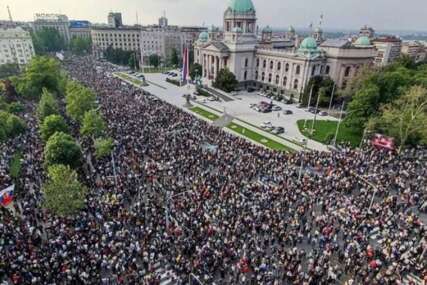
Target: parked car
[(261, 94), (287, 112), (252, 105), (278, 130), (265, 109), (212, 98), (266, 124), (256, 108), (269, 128), (300, 106), (313, 110), (276, 108), (323, 113)]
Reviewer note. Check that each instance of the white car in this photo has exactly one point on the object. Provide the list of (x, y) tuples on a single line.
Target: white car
[(266, 124)]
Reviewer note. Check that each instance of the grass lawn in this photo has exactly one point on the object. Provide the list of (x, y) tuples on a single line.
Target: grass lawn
[(15, 165), (325, 132), (258, 137), (204, 113), (157, 69), (130, 78)]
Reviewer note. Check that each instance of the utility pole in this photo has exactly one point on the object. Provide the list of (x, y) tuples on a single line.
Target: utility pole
[(10, 14), (309, 102), (302, 161), (339, 124), (315, 114), (332, 98)]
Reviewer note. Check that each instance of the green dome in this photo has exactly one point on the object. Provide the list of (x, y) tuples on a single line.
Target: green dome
[(267, 29), (309, 44), (204, 37), (241, 6), (291, 29), (363, 41)]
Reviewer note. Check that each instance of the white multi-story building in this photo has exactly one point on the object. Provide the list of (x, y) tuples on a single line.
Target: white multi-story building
[(415, 50), (16, 46), (53, 21), (124, 37), (284, 66), (388, 50)]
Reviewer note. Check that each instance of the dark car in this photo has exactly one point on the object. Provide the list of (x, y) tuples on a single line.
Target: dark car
[(278, 130), (287, 112)]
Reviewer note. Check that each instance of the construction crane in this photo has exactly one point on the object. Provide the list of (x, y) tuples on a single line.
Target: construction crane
[(10, 14)]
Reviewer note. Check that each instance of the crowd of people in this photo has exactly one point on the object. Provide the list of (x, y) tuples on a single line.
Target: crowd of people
[(212, 207)]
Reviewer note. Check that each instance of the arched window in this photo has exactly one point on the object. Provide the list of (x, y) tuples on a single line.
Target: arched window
[(277, 79), (287, 67), (264, 64), (257, 62), (263, 77), (256, 75), (296, 84), (246, 62), (347, 71), (270, 76), (245, 75), (328, 69), (271, 64), (298, 70), (285, 81), (279, 66)]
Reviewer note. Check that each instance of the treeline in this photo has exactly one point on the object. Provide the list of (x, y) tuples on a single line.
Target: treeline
[(390, 100), (122, 57), (49, 40), (45, 82)]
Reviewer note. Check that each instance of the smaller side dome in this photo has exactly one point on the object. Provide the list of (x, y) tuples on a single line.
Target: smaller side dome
[(204, 37), (267, 29), (291, 29), (363, 41), (309, 43)]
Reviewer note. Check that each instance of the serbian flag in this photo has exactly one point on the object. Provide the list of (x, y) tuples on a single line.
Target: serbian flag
[(185, 64), (6, 196), (380, 141)]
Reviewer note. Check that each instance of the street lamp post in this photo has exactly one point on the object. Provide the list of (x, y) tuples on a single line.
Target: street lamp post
[(338, 125), (302, 160), (315, 114), (332, 98), (309, 103)]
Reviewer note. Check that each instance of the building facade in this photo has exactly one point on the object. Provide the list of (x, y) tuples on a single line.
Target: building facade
[(388, 49), (80, 29), (415, 50), (281, 65), (115, 19), (125, 38), (53, 21), (16, 46)]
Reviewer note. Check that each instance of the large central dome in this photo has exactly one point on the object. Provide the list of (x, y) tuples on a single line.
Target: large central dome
[(241, 6)]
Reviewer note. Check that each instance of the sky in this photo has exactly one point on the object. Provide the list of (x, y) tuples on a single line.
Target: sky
[(338, 14)]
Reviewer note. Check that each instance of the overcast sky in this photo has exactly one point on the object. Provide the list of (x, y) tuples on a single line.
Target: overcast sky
[(342, 14)]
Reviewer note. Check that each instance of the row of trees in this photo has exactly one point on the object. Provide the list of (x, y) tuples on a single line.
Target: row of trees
[(11, 125), (391, 100), (49, 40), (122, 57)]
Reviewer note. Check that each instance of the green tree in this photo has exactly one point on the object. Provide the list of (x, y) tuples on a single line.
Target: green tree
[(62, 149), (154, 60), (103, 147), (406, 118), (362, 107), (15, 125), (81, 46), (41, 72), (48, 40), (79, 100), (226, 80), (174, 57), (196, 69), (63, 194), (321, 86), (52, 124), (15, 108), (93, 124), (9, 69), (47, 105), (133, 62)]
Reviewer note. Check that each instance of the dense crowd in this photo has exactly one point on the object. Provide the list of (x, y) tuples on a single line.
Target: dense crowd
[(213, 207)]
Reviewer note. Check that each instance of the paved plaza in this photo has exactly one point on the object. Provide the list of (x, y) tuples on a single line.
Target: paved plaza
[(240, 109)]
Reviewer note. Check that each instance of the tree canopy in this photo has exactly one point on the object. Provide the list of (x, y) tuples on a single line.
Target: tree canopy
[(103, 147), (48, 40), (9, 69), (93, 124), (322, 86), (196, 69), (81, 46), (64, 195), (226, 80), (79, 100), (52, 124), (174, 57), (119, 56), (10, 125), (154, 60), (41, 72), (47, 105), (61, 148)]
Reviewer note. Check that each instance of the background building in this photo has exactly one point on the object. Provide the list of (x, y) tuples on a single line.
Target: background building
[(16, 46), (368, 32), (415, 50), (55, 21), (282, 65), (388, 49), (115, 19), (80, 29), (124, 37)]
